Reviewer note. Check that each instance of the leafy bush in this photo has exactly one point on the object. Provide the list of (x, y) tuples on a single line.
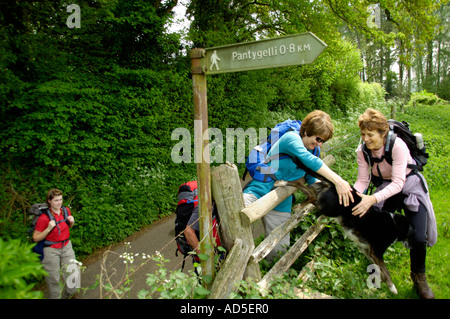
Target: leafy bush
[(423, 97), (371, 94), (19, 270)]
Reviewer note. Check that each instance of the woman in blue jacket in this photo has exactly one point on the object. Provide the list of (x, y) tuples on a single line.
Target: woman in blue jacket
[(315, 129)]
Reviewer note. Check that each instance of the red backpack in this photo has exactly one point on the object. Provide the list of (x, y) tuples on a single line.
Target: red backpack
[(187, 202), (37, 210)]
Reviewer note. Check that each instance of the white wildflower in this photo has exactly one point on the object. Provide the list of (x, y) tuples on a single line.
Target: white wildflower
[(74, 261)]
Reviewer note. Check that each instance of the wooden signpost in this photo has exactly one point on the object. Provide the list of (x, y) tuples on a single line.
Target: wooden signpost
[(284, 51)]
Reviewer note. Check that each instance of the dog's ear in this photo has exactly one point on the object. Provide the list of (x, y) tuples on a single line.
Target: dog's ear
[(319, 187), (316, 187), (326, 182)]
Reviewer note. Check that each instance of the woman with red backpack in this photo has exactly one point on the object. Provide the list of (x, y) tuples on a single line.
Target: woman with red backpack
[(53, 228)]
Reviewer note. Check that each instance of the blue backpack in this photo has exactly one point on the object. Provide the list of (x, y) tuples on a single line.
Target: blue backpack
[(257, 161)]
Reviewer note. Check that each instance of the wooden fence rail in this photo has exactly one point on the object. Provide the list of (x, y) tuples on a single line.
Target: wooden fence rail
[(236, 219)]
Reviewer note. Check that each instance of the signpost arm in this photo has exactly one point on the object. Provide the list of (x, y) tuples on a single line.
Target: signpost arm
[(202, 160)]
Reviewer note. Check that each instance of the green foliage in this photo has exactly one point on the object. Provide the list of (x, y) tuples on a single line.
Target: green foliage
[(443, 91), (17, 282), (371, 94), (149, 46), (135, 198), (280, 288), (106, 144), (109, 152), (390, 84), (172, 285), (424, 97), (435, 138)]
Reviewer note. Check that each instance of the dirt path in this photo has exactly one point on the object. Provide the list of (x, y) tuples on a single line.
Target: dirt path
[(157, 237)]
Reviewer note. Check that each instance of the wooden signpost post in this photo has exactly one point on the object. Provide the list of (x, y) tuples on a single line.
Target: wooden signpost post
[(284, 51)]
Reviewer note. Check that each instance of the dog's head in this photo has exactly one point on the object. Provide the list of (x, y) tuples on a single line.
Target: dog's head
[(327, 199)]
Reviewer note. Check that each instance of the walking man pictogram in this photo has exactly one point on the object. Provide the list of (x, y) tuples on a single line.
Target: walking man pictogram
[(214, 59)]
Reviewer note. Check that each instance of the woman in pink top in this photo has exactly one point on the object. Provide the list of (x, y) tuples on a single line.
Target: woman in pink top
[(398, 187)]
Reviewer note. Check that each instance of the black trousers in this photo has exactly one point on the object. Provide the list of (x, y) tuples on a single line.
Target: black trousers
[(418, 249)]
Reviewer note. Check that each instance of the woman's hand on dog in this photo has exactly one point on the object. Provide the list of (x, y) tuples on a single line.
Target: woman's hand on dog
[(365, 204), (344, 191)]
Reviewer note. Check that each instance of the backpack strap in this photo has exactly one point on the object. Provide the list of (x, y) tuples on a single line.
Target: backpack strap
[(65, 214), (367, 154), (268, 159), (376, 181), (48, 243), (389, 145)]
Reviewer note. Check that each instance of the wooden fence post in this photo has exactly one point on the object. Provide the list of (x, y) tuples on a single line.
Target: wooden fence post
[(203, 160), (265, 204), (231, 272), (227, 194)]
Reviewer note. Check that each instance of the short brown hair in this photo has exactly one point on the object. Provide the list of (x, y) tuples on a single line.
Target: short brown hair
[(373, 120), (317, 123), (52, 194)]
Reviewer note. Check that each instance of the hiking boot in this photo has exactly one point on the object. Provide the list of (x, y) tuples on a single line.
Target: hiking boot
[(421, 286)]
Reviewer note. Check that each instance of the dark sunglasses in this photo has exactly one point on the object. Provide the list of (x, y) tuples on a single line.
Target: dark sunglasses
[(319, 140)]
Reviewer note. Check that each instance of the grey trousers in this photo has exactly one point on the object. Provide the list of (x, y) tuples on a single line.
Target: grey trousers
[(273, 219), (56, 262)]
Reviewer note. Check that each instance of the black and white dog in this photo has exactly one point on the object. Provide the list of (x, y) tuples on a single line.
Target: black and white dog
[(373, 233)]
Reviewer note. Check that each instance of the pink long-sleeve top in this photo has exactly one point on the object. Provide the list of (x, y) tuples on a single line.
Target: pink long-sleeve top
[(396, 172)]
